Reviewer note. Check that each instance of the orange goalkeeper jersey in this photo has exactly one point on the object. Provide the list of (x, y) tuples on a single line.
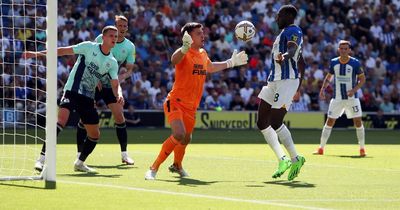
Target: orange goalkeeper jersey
[(190, 75)]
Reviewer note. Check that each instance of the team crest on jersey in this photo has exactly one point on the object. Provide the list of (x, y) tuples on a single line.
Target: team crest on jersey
[(294, 38), (123, 51), (348, 70), (108, 65)]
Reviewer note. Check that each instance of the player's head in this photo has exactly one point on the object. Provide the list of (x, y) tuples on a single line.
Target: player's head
[(121, 22), (110, 36), (344, 48), (286, 16), (195, 30)]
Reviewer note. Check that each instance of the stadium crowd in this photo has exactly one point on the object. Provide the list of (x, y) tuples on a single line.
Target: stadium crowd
[(372, 27)]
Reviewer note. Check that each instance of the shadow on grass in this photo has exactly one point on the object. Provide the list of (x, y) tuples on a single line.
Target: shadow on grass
[(189, 182), (23, 186), (92, 175), (120, 166), (292, 184), (350, 156)]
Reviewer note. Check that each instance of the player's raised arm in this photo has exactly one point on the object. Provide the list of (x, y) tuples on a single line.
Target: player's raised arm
[(181, 52), (237, 59)]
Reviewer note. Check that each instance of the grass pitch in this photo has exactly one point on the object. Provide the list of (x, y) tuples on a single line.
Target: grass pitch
[(228, 170)]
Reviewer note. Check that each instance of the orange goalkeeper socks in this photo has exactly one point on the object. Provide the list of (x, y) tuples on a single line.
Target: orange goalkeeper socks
[(166, 149), (179, 152)]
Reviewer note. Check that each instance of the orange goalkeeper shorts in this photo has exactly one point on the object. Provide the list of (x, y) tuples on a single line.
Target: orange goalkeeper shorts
[(175, 111)]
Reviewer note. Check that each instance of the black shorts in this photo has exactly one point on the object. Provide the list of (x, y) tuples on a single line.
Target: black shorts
[(83, 105), (106, 94)]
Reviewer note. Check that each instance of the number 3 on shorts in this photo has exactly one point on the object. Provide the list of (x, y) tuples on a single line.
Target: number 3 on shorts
[(276, 97)]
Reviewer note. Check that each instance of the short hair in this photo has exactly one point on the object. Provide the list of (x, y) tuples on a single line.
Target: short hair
[(121, 17), (109, 28), (289, 9), (344, 42), (189, 27)]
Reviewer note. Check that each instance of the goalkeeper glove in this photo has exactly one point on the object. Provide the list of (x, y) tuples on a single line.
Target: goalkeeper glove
[(237, 59), (187, 42)]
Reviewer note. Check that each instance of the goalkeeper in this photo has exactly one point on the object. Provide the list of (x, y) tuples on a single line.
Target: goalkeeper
[(192, 65), (95, 61)]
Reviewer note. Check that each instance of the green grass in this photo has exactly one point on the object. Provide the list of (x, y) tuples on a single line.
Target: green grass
[(228, 170)]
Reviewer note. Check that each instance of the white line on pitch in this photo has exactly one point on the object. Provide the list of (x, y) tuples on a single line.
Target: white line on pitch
[(255, 160), (264, 202)]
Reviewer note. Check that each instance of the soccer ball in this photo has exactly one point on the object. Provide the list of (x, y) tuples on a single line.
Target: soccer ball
[(245, 30)]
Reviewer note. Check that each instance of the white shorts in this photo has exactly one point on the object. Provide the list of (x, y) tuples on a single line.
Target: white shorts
[(279, 94), (352, 107)]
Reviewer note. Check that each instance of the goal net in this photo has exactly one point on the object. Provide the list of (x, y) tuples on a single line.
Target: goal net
[(28, 99)]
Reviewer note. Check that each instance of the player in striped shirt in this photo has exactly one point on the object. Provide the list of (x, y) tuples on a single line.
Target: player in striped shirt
[(348, 78), (283, 86)]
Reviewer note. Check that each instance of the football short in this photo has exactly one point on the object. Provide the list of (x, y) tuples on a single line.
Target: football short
[(174, 110), (279, 94), (83, 105), (351, 107), (106, 94)]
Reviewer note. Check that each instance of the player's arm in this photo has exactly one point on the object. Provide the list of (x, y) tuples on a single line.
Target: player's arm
[(181, 52), (291, 50), (301, 65), (237, 59), (360, 83), (116, 88), (130, 60), (60, 52), (325, 84)]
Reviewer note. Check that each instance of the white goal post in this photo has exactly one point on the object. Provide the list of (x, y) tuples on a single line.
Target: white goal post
[(28, 89)]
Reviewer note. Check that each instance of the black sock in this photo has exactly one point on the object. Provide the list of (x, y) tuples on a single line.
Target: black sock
[(80, 136), (122, 136), (59, 129), (87, 148)]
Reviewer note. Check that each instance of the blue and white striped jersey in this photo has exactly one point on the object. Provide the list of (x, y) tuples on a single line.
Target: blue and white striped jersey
[(345, 77), (288, 69)]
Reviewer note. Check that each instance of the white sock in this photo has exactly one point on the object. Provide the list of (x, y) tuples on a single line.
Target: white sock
[(78, 162), (326, 132), (361, 136), (124, 154), (272, 139), (287, 140)]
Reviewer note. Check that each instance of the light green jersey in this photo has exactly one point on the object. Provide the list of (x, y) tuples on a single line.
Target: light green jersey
[(91, 66), (122, 51)]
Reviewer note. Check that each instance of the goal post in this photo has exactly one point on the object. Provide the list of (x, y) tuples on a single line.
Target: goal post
[(28, 89)]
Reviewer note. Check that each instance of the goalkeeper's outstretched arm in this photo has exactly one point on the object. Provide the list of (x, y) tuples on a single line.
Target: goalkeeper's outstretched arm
[(237, 59)]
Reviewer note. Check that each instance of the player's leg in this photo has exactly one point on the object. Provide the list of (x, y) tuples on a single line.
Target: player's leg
[(335, 110), (180, 149), (80, 136), (353, 110), (122, 134), (175, 118), (63, 115), (90, 119)]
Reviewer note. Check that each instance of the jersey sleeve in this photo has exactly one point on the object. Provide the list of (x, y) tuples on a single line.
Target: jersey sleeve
[(358, 68), (294, 35), (331, 71), (99, 39), (113, 72), (82, 47), (131, 55)]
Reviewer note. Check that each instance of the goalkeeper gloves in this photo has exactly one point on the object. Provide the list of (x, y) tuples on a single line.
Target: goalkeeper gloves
[(187, 42), (237, 59)]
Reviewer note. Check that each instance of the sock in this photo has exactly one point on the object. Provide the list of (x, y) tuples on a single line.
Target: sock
[(80, 136), (326, 132), (179, 152), (286, 138), (122, 135), (88, 148), (361, 136), (166, 149), (272, 139), (59, 129)]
